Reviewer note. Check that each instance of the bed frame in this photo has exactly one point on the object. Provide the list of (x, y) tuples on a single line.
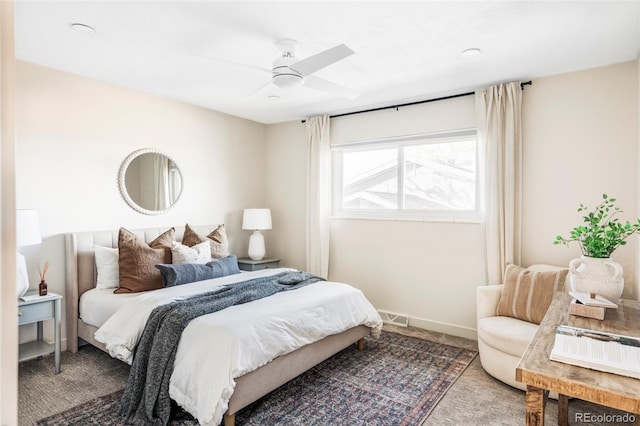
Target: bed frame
[(81, 276)]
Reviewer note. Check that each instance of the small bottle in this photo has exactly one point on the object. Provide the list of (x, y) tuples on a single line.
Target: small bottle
[(42, 288)]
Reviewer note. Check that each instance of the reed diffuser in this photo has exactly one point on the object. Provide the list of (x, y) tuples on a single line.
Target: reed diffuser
[(42, 288)]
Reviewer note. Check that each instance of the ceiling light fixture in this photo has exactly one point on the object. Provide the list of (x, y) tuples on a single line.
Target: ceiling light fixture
[(287, 81), (283, 76), (474, 51), (273, 97), (82, 28)]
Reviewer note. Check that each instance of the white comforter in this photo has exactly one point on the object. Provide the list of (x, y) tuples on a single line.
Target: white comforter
[(216, 348)]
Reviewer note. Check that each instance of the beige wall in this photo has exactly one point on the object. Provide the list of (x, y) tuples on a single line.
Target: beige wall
[(72, 135), (580, 140), (286, 192)]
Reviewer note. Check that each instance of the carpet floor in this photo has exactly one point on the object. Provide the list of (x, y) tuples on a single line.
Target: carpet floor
[(396, 380), (474, 399)]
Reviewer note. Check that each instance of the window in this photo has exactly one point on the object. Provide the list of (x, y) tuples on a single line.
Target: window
[(432, 176)]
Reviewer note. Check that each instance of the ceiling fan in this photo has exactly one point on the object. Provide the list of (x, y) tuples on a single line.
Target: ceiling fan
[(288, 72)]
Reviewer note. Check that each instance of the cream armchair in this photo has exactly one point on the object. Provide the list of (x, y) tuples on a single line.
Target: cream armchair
[(502, 340)]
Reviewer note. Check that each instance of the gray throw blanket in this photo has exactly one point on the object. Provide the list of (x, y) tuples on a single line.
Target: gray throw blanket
[(146, 398)]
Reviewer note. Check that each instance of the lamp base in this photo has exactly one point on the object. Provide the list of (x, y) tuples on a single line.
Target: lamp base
[(22, 278), (256, 246)]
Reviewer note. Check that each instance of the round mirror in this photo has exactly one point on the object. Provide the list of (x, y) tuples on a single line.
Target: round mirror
[(150, 181)]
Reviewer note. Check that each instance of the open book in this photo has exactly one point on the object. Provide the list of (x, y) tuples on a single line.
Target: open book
[(612, 353)]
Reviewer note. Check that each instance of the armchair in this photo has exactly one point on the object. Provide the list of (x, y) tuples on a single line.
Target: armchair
[(502, 340)]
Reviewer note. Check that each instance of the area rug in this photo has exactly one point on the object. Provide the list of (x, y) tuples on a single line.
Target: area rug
[(395, 380)]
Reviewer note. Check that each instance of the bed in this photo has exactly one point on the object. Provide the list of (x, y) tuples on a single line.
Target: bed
[(250, 386)]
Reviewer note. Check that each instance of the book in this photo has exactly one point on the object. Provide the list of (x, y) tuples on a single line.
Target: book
[(608, 352), (36, 296), (586, 299)]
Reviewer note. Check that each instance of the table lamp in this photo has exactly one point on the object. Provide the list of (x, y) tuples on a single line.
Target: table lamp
[(27, 234), (256, 220)]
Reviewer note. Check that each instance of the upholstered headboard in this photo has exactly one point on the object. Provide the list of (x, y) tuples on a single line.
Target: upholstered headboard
[(81, 265)]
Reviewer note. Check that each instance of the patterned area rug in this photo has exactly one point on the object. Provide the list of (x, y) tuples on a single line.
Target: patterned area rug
[(396, 380)]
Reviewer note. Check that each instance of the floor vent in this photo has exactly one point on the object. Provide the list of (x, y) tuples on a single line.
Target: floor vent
[(394, 318)]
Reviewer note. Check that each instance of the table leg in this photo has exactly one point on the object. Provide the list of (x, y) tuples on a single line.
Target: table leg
[(57, 318), (563, 410), (535, 401)]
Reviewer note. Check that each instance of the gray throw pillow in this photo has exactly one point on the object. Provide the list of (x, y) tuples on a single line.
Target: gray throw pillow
[(225, 266), (177, 274)]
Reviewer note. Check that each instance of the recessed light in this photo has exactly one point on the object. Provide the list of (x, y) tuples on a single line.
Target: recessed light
[(273, 97), (83, 28), (474, 51)]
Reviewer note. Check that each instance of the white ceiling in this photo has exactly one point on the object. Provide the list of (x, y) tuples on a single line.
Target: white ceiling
[(404, 51)]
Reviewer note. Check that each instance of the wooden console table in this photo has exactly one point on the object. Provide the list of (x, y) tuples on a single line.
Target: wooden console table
[(542, 375)]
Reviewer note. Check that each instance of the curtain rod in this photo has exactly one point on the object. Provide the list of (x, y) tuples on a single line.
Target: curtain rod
[(524, 83)]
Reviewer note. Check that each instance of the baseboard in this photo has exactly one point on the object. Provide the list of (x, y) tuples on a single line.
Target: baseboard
[(441, 327)]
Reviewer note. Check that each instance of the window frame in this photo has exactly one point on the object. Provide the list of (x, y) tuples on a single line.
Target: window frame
[(400, 213)]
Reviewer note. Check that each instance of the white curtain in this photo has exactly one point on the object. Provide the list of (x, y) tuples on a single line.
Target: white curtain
[(161, 178), (318, 195), (499, 115), (175, 183)]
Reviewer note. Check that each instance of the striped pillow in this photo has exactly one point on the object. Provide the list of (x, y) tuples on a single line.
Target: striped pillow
[(527, 294)]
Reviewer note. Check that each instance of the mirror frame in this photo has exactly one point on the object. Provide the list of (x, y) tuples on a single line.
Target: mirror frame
[(122, 181)]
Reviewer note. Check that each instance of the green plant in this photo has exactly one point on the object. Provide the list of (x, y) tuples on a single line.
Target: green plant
[(602, 232)]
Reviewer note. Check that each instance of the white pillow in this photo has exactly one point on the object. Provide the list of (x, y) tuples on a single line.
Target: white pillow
[(200, 253), (107, 267)]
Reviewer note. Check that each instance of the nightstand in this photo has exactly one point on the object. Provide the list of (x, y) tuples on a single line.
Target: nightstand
[(37, 310), (247, 264)]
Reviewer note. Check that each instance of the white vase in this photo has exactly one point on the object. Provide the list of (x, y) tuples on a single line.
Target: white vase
[(256, 246), (601, 276)]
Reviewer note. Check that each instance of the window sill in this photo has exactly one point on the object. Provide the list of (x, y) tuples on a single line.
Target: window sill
[(475, 221)]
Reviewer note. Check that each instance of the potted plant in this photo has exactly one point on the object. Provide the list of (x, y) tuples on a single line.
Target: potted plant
[(600, 235)]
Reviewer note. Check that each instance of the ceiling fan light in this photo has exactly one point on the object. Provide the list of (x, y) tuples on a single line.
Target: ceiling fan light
[(287, 81)]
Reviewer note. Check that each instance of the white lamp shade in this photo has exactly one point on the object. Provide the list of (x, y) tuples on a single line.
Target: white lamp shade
[(27, 228), (256, 219)]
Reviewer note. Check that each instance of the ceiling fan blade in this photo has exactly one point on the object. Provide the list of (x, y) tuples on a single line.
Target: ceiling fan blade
[(262, 91), (226, 61), (316, 62), (329, 87)]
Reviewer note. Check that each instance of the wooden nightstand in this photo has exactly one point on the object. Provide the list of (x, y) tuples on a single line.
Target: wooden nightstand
[(247, 264), (37, 310)]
